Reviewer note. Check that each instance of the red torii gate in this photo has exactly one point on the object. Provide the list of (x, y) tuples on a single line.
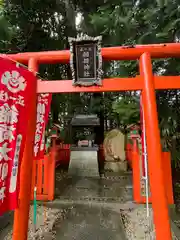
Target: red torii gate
[(146, 82)]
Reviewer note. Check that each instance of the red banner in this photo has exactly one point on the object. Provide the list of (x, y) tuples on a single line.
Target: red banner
[(15, 96), (42, 145), (43, 107)]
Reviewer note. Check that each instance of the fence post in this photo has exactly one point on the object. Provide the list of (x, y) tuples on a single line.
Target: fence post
[(136, 172), (52, 166)]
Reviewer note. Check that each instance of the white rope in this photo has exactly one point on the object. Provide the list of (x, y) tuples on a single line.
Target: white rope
[(20, 64), (145, 164)]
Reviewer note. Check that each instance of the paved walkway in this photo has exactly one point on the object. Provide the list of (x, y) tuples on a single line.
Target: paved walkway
[(95, 189), (85, 222), (98, 217)]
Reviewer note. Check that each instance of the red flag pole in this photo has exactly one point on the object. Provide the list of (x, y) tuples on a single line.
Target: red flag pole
[(21, 215)]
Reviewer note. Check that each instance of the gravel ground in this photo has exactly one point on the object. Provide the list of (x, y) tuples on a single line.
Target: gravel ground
[(46, 218), (60, 174), (137, 225), (177, 222)]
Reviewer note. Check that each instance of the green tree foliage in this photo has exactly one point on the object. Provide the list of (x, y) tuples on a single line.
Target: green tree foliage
[(144, 22), (46, 25), (127, 110)]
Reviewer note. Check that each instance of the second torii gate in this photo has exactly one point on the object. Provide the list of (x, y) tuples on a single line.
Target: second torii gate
[(146, 82)]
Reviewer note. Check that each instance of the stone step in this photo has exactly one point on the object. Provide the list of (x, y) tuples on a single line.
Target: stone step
[(83, 163)]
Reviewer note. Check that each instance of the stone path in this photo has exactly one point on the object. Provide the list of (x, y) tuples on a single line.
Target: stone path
[(95, 189), (86, 222), (97, 217)]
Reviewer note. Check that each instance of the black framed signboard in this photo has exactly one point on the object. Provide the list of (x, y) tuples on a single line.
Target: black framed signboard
[(86, 60)]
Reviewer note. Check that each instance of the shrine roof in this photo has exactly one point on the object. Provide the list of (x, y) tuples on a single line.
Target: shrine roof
[(85, 120)]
